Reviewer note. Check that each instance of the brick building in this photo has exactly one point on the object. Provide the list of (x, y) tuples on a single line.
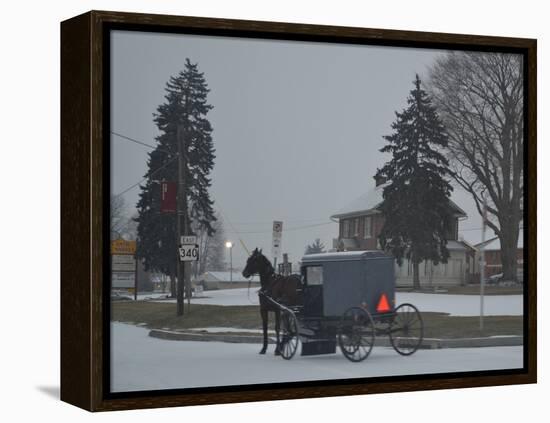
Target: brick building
[(493, 260), (360, 224)]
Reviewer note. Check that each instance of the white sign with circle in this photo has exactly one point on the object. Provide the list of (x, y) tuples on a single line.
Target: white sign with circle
[(277, 238)]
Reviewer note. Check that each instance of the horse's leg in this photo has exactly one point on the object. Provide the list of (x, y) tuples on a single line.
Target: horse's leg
[(263, 313), (277, 330)]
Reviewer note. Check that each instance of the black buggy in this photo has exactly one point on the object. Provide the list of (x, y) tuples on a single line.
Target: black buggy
[(348, 298)]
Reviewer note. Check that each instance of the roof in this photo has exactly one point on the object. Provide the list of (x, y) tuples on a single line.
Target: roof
[(343, 256), (226, 277), (368, 203), (457, 245), (493, 244)]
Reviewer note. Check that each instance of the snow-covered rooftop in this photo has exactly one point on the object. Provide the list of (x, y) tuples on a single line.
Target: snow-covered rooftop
[(493, 243), (364, 203), (455, 245), (341, 256), (369, 202)]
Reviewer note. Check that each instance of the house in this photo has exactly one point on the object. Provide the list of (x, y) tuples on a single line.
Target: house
[(360, 224), (493, 260)]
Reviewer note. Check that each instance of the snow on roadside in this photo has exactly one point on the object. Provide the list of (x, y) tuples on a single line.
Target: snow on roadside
[(464, 305), (456, 305)]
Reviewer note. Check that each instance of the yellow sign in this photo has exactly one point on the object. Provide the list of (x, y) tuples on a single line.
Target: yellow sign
[(121, 246)]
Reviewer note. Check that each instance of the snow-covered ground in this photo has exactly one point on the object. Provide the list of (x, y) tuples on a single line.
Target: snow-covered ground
[(464, 305), (457, 305), (140, 362)]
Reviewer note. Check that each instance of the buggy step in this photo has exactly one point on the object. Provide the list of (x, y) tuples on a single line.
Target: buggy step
[(324, 346)]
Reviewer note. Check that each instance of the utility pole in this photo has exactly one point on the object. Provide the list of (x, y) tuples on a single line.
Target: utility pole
[(482, 266), (136, 270), (181, 214)]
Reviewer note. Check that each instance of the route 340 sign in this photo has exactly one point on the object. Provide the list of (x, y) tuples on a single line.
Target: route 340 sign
[(189, 252)]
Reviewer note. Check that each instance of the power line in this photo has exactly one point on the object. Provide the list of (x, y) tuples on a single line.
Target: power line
[(140, 142), (295, 228), (148, 176), (232, 227), (264, 222)]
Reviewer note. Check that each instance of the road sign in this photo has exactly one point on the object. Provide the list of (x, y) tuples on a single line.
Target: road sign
[(188, 239), (121, 246), (123, 263), (189, 252), (123, 279), (277, 238)]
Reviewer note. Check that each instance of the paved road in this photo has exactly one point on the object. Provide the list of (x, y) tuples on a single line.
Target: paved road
[(144, 363)]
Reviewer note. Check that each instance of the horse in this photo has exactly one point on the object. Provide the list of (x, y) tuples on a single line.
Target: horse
[(283, 289)]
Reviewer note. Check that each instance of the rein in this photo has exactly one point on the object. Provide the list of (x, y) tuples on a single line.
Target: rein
[(248, 291)]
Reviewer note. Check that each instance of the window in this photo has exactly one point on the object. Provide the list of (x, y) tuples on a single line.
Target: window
[(345, 229), (451, 229), (355, 227), (314, 275), (367, 230)]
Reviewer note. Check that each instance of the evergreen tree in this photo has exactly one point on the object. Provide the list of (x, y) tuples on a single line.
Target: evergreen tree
[(316, 247), (186, 106), (416, 204)]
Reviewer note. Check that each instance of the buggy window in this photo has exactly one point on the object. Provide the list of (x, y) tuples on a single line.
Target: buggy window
[(314, 275)]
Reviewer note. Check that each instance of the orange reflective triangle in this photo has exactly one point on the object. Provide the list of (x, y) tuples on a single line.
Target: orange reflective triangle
[(383, 304)]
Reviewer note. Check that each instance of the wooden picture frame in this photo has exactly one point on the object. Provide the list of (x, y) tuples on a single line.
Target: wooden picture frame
[(84, 209)]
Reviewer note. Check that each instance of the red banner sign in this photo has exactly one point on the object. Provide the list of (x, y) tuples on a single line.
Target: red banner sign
[(168, 197)]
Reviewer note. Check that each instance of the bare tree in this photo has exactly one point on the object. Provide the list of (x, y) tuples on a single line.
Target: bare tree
[(118, 216), (479, 97), (130, 229), (211, 247), (217, 252), (122, 224)]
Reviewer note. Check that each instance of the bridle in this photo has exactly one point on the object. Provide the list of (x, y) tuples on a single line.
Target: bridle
[(269, 275)]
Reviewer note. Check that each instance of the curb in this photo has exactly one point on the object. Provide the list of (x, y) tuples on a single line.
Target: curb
[(427, 343), (497, 341), (207, 337)]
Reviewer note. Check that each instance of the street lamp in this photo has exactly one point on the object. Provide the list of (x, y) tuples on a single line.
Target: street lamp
[(229, 245)]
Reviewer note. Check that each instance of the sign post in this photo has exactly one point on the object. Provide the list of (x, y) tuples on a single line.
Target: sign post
[(188, 251), (181, 215), (277, 240)]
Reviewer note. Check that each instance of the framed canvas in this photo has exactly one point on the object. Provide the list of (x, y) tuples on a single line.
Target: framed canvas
[(261, 210)]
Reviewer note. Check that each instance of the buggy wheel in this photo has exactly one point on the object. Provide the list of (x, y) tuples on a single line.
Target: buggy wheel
[(289, 335), (356, 334), (406, 329)]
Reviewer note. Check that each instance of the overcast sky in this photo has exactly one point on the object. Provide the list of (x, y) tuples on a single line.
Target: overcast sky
[(297, 126)]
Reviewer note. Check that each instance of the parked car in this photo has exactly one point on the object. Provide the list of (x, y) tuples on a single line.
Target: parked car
[(494, 279), (498, 279), (120, 296)]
